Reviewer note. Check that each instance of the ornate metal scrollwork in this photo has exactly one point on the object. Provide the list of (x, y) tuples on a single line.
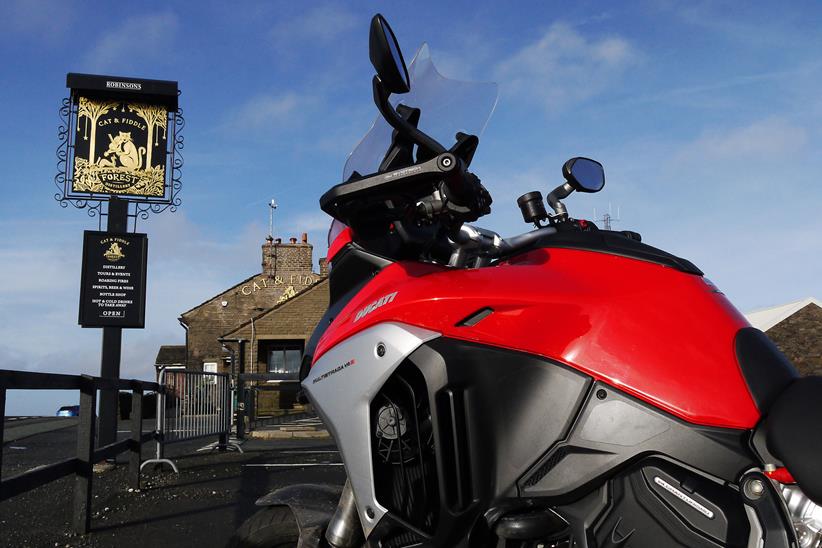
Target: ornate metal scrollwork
[(140, 206)]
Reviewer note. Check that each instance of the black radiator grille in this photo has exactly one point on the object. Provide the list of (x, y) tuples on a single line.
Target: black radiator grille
[(403, 449)]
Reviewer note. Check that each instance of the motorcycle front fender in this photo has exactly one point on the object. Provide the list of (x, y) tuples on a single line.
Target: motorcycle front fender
[(312, 506)]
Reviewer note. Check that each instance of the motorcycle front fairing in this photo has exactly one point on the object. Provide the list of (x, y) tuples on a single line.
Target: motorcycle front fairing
[(508, 405), (590, 375)]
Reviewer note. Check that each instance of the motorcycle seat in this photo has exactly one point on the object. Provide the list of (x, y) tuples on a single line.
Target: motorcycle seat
[(794, 433)]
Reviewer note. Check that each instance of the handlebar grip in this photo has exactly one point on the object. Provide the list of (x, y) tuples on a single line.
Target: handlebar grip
[(515, 243)]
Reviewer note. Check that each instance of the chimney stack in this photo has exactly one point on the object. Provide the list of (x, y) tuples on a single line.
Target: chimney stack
[(280, 258)]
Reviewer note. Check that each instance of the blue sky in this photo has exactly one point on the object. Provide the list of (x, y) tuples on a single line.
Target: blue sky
[(705, 114)]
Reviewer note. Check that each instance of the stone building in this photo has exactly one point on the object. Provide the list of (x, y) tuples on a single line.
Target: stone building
[(286, 270), (274, 311), (796, 328), (275, 339)]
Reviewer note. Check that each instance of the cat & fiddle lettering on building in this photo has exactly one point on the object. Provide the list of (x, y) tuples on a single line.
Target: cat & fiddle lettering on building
[(274, 311)]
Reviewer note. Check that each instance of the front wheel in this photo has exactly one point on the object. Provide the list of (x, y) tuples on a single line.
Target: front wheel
[(271, 527)]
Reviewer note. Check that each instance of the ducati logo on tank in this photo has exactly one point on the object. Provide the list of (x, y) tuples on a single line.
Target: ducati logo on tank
[(382, 301)]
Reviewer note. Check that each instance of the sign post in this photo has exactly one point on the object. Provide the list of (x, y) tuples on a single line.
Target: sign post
[(120, 145), (112, 336)]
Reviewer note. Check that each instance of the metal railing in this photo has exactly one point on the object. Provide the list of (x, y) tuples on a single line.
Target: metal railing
[(81, 465), (249, 416), (191, 405)]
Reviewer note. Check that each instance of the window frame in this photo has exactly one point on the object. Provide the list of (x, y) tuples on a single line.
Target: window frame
[(283, 346)]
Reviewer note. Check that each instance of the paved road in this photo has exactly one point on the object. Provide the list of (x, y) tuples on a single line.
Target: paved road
[(202, 506), (17, 428), (34, 441)]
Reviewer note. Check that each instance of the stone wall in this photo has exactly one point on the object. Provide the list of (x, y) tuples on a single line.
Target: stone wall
[(286, 271), (293, 320), (291, 257), (799, 337)]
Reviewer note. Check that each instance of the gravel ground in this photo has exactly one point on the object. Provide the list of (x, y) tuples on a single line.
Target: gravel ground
[(202, 506)]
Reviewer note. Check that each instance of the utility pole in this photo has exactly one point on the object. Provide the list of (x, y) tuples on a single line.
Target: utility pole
[(607, 218)]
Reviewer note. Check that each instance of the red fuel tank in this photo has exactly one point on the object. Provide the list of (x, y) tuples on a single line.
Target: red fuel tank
[(662, 335)]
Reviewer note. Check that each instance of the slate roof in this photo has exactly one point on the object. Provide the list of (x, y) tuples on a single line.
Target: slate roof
[(766, 318), (171, 354)]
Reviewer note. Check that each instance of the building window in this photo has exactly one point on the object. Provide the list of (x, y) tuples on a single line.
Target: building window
[(283, 359), (209, 367)]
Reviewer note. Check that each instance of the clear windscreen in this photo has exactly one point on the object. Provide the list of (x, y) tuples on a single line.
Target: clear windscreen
[(335, 230), (447, 107)]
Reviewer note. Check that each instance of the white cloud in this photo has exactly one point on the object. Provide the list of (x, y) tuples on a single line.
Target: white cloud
[(139, 40), (268, 112), (317, 221), (321, 23), (563, 67), (724, 20), (42, 20), (188, 264), (40, 290), (771, 139)]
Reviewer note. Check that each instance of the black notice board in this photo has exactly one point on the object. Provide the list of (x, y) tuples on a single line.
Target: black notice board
[(113, 281)]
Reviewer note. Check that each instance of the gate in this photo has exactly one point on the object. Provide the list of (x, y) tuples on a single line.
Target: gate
[(192, 404)]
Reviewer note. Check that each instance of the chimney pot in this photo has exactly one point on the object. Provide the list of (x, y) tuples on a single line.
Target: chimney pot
[(293, 240), (305, 237), (278, 241)]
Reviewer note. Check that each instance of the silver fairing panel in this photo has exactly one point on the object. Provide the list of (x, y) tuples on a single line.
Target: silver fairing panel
[(341, 385)]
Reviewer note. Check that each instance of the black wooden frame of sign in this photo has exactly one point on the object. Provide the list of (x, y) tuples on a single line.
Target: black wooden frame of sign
[(85, 318), (93, 202)]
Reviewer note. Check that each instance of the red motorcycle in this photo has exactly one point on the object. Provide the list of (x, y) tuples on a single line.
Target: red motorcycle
[(569, 386)]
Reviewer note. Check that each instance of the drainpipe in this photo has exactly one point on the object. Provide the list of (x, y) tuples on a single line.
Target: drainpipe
[(252, 363), (185, 326)]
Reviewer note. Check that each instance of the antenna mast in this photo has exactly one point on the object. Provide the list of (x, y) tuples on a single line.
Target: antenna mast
[(272, 205), (272, 253)]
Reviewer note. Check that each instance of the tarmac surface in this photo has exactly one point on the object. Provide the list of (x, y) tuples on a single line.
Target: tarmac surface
[(202, 506), (16, 428)]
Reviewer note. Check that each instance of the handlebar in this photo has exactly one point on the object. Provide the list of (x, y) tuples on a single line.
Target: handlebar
[(515, 243), (483, 245)]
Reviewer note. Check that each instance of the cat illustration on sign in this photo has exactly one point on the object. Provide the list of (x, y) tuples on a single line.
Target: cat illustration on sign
[(125, 152)]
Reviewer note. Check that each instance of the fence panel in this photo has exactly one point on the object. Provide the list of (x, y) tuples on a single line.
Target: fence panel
[(81, 464), (193, 404)]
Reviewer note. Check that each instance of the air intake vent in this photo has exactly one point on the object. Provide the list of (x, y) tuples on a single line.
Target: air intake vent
[(549, 464), (402, 445), (457, 466), (402, 539)]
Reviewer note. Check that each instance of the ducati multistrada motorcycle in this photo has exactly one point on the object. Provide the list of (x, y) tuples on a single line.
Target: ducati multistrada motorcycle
[(569, 386)]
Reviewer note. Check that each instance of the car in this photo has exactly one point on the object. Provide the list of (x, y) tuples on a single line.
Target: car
[(69, 411)]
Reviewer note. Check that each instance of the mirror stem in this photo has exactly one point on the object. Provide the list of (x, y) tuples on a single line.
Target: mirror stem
[(399, 123), (559, 193)]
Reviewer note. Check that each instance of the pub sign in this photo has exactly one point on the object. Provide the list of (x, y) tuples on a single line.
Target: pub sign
[(113, 280), (122, 138), (120, 147)]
